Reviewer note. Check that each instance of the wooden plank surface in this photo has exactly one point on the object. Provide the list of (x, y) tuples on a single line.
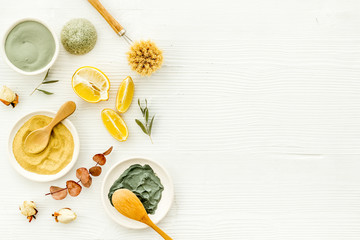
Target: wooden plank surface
[(258, 118)]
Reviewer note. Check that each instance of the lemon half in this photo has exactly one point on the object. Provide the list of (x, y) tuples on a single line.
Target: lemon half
[(91, 84)]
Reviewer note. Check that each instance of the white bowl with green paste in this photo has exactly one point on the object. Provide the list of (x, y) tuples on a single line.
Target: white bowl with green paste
[(30, 46), (121, 172)]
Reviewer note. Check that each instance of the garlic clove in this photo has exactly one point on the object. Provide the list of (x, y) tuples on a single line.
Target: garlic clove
[(64, 215)]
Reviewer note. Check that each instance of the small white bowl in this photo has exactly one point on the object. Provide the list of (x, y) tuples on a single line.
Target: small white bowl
[(56, 53), (164, 204), (34, 176)]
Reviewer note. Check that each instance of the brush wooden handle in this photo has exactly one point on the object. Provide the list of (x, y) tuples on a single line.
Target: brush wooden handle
[(148, 222), (115, 25)]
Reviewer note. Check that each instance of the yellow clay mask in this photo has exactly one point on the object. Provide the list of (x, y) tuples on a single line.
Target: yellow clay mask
[(56, 156)]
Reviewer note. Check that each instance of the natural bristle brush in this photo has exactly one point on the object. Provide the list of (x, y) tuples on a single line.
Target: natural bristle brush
[(144, 56)]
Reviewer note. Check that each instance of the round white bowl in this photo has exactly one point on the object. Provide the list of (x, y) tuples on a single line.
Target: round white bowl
[(56, 53), (164, 204), (34, 176)]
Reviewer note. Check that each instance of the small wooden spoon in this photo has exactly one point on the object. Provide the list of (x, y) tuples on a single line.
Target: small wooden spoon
[(38, 140), (129, 205)]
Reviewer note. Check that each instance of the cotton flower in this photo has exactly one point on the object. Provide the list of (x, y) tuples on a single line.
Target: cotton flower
[(64, 215), (28, 209)]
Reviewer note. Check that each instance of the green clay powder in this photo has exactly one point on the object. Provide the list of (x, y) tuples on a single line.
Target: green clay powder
[(143, 182), (30, 46)]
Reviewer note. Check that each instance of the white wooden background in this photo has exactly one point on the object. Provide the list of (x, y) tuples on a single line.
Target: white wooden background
[(258, 118)]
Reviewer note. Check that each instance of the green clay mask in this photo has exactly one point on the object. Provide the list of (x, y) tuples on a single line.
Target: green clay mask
[(142, 181), (30, 46)]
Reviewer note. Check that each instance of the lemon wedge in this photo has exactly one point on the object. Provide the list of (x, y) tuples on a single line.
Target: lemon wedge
[(115, 124), (125, 95), (91, 84)]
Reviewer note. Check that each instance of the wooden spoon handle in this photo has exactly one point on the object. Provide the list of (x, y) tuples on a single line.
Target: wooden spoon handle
[(65, 110), (110, 19), (148, 222)]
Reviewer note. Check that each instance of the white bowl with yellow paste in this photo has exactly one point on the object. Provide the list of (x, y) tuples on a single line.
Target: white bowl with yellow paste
[(56, 160)]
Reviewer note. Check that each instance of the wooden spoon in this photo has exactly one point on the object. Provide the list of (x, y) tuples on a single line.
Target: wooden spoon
[(38, 140), (129, 205)]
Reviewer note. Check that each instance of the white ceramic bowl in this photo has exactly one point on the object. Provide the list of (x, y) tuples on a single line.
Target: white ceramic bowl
[(56, 53), (34, 176), (164, 204)]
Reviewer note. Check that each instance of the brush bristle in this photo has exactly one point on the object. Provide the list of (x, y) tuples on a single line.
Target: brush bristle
[(145, 57)]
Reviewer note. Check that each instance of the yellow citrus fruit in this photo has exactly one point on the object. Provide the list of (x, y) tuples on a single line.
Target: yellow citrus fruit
[(91, 84), (115, 124), (125, 95)]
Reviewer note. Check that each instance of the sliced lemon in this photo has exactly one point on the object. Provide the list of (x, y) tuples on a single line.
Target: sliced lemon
[(91, 84), (125, 95), (115, 124)]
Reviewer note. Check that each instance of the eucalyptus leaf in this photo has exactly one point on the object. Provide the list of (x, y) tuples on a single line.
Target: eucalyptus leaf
[(141, 125), (44, 91)]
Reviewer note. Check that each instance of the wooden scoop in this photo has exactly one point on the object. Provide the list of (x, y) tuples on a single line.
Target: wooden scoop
[(129, 205), (38, 140)]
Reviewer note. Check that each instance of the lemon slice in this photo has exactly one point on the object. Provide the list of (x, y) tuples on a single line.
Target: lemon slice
[(91, 84), (125, 95), (115, 124)]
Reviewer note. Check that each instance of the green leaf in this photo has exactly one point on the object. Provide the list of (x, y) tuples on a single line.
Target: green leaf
[(47, 74), (142, 110), (141, 125), (151, 123), (46, 92), (146, 116), (51, 81), (147, 126)]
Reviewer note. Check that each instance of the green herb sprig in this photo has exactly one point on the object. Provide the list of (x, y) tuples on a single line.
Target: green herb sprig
[(44, 81), (146, 128)]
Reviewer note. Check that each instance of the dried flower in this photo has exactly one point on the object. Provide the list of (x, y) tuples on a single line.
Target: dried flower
[(83, 174), (28, 209), (64, 215), (7, 96)]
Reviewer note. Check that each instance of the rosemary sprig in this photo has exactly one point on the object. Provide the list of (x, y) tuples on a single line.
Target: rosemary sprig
[(147, 126), (44, 81)]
